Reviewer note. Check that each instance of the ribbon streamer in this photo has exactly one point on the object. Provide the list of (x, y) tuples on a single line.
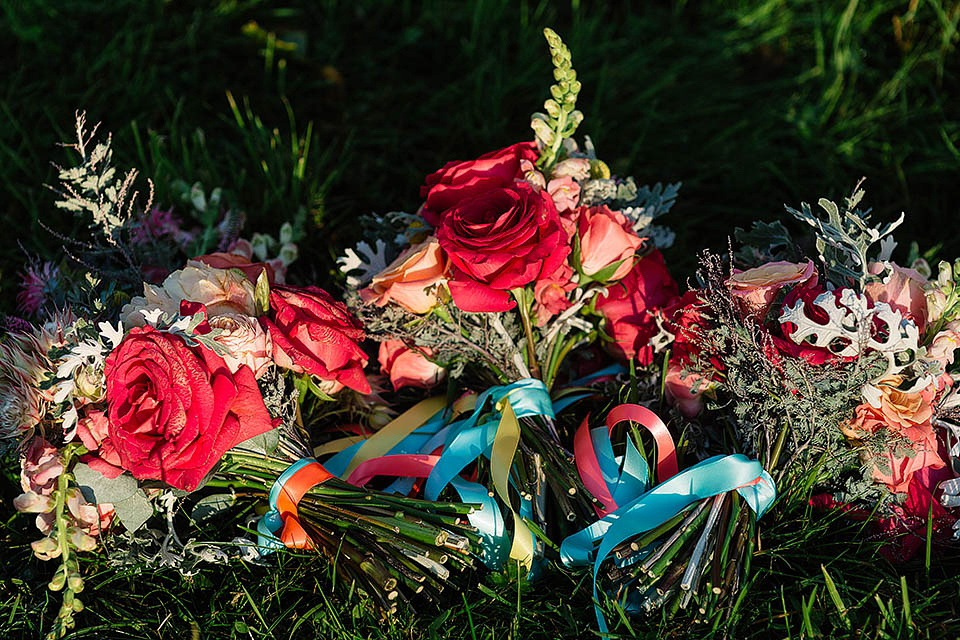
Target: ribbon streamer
[(419, 444), (614, 480), (285, 495), (651, 509)]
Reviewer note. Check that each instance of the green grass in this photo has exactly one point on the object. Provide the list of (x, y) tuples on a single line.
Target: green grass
[(751, 104)]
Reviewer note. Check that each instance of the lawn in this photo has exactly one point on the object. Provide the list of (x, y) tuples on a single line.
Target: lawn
[(317, 112)]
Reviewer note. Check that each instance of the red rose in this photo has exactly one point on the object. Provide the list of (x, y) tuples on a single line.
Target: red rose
[(629, 304), (500, 240), (173, 411), (313, 333), (458, 180)]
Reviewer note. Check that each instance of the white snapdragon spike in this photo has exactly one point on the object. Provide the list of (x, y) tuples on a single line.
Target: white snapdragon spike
[(367, 260), (851, 322)]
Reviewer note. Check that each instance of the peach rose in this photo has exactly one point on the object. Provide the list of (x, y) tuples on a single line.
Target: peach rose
[(606, 238), (245, 340), (408, 367), (220, 290), (407, 280), (909, 415), (757, 287), (903, 290)]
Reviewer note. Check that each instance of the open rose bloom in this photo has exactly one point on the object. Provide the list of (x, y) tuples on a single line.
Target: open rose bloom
[(513, 234)]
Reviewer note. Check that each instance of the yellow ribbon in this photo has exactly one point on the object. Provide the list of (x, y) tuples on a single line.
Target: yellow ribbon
[(381, 442), (505, 445), (336, 446)]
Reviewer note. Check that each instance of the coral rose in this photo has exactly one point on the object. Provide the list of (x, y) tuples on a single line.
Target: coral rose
[(606, 239), (757, 287), (446, 187), (629, 303), (411, 280), (500, 240), (313, 333), (173, 410), (550, 294), (408, 367), (904, 413)]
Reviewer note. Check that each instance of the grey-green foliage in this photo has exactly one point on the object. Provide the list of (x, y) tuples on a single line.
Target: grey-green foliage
[(561, 118), (93, 186), (765, 391), (845, 237), (130, 503), (764, 242), (456, 340)]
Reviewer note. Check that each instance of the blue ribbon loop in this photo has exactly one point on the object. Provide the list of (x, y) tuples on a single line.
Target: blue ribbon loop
[(649, 510)]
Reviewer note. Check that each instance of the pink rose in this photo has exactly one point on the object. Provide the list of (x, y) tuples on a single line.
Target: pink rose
[(629, 304), (411, 280), (550, 294), (685, 391), (246, 342), (93, 430), (606, 238), (456, 181), (757, 287), (902, 289), (565, 193), (408, 367)]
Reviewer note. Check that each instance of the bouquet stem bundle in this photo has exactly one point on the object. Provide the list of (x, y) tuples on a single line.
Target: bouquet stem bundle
[(390, 546)]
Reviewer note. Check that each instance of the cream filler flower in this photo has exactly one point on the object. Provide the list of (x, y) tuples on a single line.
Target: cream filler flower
[(220, 290)]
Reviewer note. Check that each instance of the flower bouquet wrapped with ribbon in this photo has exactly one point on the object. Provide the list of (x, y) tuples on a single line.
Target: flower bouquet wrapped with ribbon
[(830, 374), (515, 260), (190, 395)]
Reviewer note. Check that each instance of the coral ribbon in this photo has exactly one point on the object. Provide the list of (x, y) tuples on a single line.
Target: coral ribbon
[(285, 496)]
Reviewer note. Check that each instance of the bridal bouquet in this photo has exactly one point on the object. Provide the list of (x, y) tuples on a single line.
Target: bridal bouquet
[(515, 260), (831, 371), (192, 394)]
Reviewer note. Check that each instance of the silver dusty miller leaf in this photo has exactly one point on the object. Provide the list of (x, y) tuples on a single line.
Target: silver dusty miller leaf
[(851, 331)]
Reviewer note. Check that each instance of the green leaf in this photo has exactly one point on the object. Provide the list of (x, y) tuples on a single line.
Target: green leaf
[(261, 293), (265, 443), (130, 503), (211, 505)]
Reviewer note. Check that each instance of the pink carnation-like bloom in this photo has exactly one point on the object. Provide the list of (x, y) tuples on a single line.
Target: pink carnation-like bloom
[(36, 282)]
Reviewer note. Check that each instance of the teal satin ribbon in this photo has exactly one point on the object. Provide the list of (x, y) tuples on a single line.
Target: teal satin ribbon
[(649, 510)]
